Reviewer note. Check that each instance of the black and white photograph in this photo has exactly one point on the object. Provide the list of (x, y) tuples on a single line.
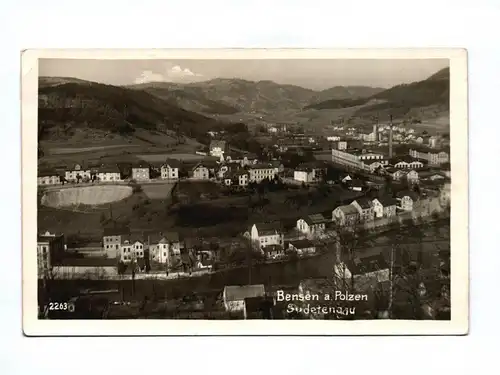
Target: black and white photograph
[(243, 187)]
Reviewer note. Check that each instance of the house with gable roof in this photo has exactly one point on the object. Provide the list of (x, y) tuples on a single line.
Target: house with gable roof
[(141, 171), (200, 172), (78, 172), (363, 273), (312, 224), (406, 199), (384, 206), (345, 215), (163, 246), (264, 234), (364, 207), (170, 169)]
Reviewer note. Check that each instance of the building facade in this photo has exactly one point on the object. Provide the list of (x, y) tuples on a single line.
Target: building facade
[(265, 234), (50, 249), (140, 172), (257, 173), (200, 172), (170, 170)]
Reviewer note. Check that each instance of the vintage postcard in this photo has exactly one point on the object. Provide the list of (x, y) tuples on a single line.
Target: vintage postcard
[(245, 192)]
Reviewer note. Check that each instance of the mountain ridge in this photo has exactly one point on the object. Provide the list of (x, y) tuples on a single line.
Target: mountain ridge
[(240, 95), (430, 94)]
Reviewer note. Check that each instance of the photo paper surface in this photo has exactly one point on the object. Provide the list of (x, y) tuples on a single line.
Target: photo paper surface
[(245, 192)]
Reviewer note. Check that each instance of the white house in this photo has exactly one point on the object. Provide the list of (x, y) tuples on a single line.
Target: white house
[(140, 172), (170, 170), (163, 246), (345, 215), (396, 174), (200, 172), (48, 178), (312, 225), (264, 234), (234, 296), (243, 177), (109, 173), (259, 172), (78, 172), (406, 200), (364, 207), (384, 206), (305, 175)]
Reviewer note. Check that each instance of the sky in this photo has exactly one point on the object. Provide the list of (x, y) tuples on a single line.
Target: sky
[(317, 74)]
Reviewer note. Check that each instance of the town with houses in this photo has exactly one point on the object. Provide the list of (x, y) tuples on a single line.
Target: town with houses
[(366, 206)]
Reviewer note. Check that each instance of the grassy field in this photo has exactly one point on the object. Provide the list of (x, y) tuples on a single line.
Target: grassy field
[(155, 158)]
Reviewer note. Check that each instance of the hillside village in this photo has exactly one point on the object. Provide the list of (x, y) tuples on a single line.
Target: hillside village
[(340, 187)]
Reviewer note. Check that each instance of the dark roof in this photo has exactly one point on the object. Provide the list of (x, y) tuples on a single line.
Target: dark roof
[(138, 165), (387, 201), (363, 202), (240, 292), (365, 265), (314, 219), (268, 228), (302, 244), (108, 169), (199, 165), (260, 166), (348, 209), (173, 163), (405, 158), (116, 231)]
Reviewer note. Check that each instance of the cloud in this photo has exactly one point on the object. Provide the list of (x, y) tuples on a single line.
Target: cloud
[(172, 74)]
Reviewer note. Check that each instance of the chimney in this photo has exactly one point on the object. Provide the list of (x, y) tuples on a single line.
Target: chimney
[(390, 138)]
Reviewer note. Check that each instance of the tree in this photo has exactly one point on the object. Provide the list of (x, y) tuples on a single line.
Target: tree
[(122, 267)]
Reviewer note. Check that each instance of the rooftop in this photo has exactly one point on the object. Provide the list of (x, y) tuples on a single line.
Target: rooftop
[(386, 200), (315, 219), (172, 163), (348, 209), (363, 202), (302, 244), (268, 228)]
